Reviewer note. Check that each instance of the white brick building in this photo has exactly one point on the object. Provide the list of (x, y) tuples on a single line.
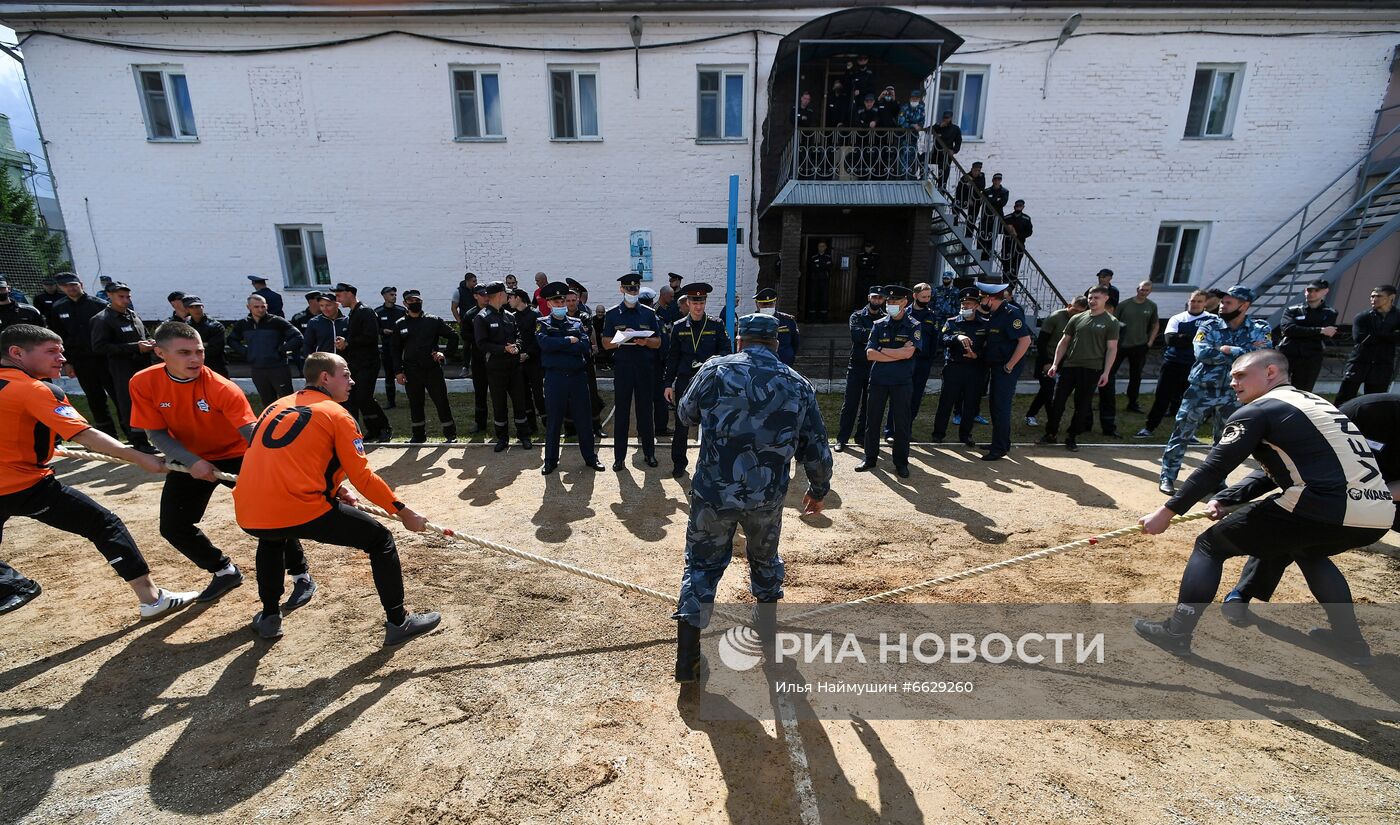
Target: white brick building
[(359, 140)]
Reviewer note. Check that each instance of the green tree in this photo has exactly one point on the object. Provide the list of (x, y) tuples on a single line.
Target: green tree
[(28, 250)]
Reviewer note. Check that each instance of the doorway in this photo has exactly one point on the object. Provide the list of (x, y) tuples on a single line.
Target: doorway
[(844, 249)]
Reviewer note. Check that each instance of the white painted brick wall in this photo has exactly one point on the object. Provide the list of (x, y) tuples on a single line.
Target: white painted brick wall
[(359, 139)]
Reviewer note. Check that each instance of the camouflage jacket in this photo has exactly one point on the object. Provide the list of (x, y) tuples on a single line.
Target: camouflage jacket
[(756, 414), (945, 301), (1212, 367)]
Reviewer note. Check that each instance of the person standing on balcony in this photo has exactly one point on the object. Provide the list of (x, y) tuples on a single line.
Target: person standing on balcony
[(808, 151), (911, 119), (1018, 229), (948, 140), (804, 116), (997, 196), (838, 107), (860, 80), (819, 283), (1372, 360), (1306, 328)]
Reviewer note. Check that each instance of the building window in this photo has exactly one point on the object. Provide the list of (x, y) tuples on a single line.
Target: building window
[(962, 90), (1181, 248), (476, 102), (1214, 98), (717, 235), (721, 104), (165, 101), (573, 99), (304, 261)]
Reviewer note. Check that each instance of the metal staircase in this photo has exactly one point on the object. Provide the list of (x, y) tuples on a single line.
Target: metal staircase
[(970, 236), (1327, 235)]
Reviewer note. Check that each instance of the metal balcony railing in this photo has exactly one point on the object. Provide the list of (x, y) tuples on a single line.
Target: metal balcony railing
[(847, 154)]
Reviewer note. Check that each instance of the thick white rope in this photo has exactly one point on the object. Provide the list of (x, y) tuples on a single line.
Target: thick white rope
[(671, 598)]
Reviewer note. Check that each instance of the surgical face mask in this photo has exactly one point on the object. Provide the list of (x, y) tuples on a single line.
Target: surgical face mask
[(558, 312), (631, 298), (893, 309), (768, 310), (967, 314), (1231, 315)]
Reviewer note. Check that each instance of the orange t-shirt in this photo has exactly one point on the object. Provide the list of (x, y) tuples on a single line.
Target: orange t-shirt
[(304, 446), (203, 414), (34, 414)]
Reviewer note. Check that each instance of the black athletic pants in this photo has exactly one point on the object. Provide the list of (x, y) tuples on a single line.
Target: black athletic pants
[(427, 380), (1266, 530), (51, 503), (362, 403), (480, 386), (183, 501), (92, 375), (1046, 395), (272, 383), (343, 526), (387, 362), (1375, 378), (1171, 386), (1137, 359), (1079, 382), (1303, 371), (508, 385)]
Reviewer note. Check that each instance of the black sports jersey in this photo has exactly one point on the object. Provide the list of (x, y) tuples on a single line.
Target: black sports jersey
[(1308, 449)]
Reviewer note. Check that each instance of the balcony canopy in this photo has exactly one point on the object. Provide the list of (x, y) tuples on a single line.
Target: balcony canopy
[(897, 26)]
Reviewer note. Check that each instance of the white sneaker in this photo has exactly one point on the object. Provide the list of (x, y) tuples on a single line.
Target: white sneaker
[(1031, 421), (167, 602)]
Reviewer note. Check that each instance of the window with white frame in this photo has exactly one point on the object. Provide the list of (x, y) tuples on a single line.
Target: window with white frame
[(962, 90), (304, 261), (573, 103), (165, 102), (476, 102), (1214, 97), (720, 113), (1180, 251)]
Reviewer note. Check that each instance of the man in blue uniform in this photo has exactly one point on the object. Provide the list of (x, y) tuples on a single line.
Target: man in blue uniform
[(1220, 339), (274, 300), (788, 337), (757, 415), (893, 341), (853, 405), (634, 368), (964, 336), (694, 339), (564, 354), (1008, 340)]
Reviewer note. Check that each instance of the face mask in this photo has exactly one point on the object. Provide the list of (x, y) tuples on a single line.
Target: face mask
[(967, 314), (558, 312), (5, 297), (874, 307), (1232, 315), (892, 310), (768, 310), (920, 304), (630, 299), (414, 306)]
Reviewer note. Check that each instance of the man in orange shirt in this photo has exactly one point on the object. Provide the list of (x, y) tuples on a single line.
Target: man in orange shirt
[(36, 414), (304, 447), (202, 420)]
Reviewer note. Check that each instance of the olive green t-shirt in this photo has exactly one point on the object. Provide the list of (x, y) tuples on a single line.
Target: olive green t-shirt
[(1054, 326), (1137, 320), (1089, 335)]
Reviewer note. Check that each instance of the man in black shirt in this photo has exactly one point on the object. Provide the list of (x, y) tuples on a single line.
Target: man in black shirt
[(303, 319), (71, 317), (1333, 498), (1105, 277), (818, 283), (997, 198), (418, 361), (1372, 361), (14, 312), (947, 141), (1306, 329), (969, 192), (475, 357), (526, 324), (47, 297), (868, 268), (119, 336), (211, 332), (388, 313), (1018, 228), (498, 340), (360, 349)]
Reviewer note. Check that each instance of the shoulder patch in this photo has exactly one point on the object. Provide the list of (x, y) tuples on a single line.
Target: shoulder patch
[(1016, 324), (1232, 433), (66, 410), (360, 446)]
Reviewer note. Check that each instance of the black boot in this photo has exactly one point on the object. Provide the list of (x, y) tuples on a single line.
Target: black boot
[(690, 664), (764, 621), (449, 433), (502, 440), (419, 436)]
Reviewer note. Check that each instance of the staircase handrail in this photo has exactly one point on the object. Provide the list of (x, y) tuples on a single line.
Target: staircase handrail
[(1365, 159)]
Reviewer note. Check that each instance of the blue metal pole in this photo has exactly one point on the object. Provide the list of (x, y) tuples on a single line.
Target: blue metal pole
[(731, 282)]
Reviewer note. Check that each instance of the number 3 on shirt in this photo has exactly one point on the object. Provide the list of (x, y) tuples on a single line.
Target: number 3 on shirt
[(273, 441)]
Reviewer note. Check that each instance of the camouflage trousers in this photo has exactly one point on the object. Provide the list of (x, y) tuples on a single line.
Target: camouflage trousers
[(709, 546), (1198, 404)]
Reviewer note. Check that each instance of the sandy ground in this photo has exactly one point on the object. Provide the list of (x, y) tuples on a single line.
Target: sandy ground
[(547, 698)]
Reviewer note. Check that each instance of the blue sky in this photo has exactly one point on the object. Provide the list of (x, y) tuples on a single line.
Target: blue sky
[(14, 102)]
